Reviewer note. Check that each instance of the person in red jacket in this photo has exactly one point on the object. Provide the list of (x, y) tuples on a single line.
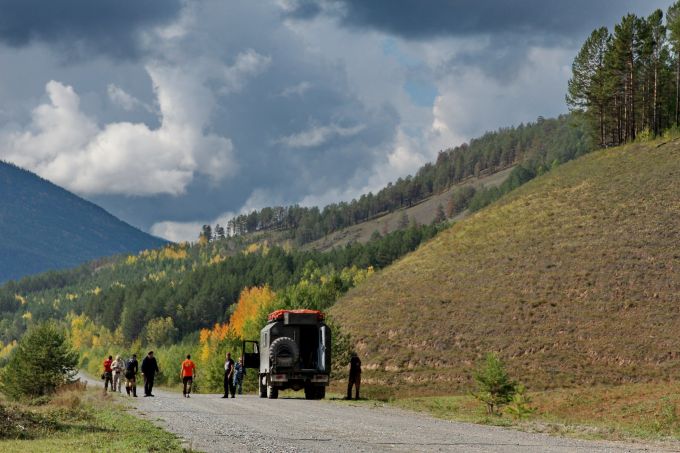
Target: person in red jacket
[(108, 374)]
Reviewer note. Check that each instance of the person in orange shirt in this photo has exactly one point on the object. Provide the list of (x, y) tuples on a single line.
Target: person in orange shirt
[(187, 373)]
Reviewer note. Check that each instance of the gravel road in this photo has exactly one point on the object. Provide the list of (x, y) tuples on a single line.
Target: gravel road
[(209, 423)]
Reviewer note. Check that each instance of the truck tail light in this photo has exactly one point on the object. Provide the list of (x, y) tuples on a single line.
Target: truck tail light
[(279, 378)]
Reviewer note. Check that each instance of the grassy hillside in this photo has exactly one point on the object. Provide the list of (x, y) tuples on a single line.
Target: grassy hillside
[(573, 279), (44, 227)]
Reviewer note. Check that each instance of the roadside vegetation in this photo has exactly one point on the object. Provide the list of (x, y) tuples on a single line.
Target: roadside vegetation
[(44, 408), (78, 420), (645, 411)]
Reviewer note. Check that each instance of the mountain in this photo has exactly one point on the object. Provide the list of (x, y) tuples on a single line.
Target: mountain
[(573, 278), (44, 227)]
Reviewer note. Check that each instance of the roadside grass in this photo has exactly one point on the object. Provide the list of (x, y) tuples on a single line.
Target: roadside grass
[(79, 421), (649, 412)]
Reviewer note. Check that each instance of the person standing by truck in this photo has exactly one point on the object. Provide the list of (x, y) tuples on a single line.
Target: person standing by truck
[(354, 375), (187, 373), (149, 370), (239, 373), (229, 377)]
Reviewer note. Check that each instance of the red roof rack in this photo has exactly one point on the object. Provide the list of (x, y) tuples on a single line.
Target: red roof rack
[(279, 314)]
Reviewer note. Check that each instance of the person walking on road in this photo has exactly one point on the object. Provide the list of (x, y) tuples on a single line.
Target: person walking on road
[(354, 375), (239, 373), (118, 366), (131, 370), (149, 370), (229, 377), (188, 374), (108, 374)]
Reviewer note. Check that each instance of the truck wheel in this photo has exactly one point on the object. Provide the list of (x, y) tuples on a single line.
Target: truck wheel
[(272, 392), (320, 393), (263, 386), (309, 392), (284, 347)]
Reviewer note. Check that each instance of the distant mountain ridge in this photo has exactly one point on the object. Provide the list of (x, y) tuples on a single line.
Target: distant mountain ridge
[(45, 227)]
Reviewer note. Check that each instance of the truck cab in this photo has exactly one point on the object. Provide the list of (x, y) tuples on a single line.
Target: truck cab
[(294, 352)]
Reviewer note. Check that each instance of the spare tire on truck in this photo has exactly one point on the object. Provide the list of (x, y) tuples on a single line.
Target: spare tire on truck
[(284, 352)]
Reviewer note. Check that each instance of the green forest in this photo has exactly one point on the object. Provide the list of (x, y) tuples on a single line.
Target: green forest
[(627, 82)]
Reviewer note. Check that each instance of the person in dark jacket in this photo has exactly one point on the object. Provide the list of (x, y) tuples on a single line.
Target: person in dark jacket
[(149, 370), (229, 386), (354, 375), (131, 370)]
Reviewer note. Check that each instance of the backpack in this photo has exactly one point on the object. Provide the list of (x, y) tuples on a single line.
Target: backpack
[(130, 367)]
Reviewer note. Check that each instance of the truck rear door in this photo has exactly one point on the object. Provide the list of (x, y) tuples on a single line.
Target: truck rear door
[(251, 359)]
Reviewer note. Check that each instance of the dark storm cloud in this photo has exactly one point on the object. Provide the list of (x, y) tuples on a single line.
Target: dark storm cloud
[(83, 26), (418, 19)]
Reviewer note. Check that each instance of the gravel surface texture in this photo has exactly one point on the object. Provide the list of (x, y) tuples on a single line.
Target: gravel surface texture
[(209, 423)]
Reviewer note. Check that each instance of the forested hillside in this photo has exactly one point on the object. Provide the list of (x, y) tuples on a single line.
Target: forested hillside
[(534, 148), (44, 227), (572, 279), (195, 285)]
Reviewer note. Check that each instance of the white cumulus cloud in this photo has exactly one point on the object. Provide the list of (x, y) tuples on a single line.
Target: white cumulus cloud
[(318, 135), (125, 100), (296, 90), (247, 64), (64, 145)]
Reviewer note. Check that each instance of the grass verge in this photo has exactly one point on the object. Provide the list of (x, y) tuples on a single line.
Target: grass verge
[(79, 421), (647, 412)]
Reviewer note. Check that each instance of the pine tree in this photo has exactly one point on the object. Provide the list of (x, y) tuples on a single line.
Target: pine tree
[(43, 361), (626, 49), (440, 216), (673, 25), (219, 232), (206, 235), (590, 88), (494, 386), (451, 207), (403, 221)]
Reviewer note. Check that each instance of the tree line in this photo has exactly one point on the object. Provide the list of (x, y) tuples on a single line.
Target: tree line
[(628, 82), (536, 146)]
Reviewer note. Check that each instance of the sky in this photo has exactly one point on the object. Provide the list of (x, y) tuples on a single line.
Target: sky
[(172, 114)]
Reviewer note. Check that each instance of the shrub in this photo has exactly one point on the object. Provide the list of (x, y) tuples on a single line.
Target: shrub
[(520, 407), (494, 386), (43, 360)]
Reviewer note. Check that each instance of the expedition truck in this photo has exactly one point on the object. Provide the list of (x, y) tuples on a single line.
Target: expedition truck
[(294, 352)]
